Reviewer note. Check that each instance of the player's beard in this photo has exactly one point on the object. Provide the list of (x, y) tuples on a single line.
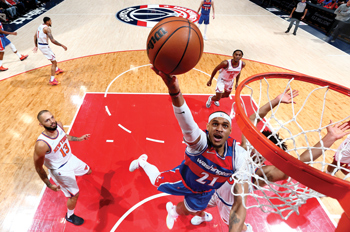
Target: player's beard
[(51, 129)]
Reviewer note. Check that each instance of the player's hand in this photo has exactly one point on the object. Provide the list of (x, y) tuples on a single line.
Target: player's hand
[(14, 33), (288, 97), (35, 49), (209, 83), (169, 80), (338, 131), (302, 17), (236, 86), (64, 47), (290, 16), (55, 187), (213, 16), (84, 137)]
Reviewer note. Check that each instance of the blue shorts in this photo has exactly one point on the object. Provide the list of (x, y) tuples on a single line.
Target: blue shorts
[(3, 43), (171, 182), (204, 18)]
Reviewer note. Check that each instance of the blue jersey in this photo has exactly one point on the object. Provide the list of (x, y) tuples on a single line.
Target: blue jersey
[(207, 170), (206, 8), (1, 27)]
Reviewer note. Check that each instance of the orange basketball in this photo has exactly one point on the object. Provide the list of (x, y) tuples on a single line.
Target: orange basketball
[(174, 45)]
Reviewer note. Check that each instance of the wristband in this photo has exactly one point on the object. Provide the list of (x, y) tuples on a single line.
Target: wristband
[(175, 94)]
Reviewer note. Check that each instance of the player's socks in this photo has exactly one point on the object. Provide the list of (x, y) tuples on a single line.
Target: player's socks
[(70, 212), (205, 32), (52, 78), (208, 104), (196, 220), (135, 163), (172, 215), (151, 170), (19, 55), (217, 103), (249, 228)]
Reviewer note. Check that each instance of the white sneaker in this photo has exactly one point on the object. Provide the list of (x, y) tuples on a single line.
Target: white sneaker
[(170, 218), (249, 228), (196, 220), (135, 163), (205, 38), (208, 104), (217, 103)]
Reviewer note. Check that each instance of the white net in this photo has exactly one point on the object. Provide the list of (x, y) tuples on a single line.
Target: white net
[(300, 125)]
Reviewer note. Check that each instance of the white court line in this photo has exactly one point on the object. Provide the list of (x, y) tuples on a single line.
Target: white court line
[(129, 131), (66, 126), (123, 74), (230, 97), (135, 207), (336, 216), (155, 140), (109, 141), (107, 110)]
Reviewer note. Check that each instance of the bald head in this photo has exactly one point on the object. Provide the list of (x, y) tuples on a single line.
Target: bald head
[(41, 113)]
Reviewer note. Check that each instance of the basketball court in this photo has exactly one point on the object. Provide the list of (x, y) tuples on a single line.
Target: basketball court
[(109, 91)]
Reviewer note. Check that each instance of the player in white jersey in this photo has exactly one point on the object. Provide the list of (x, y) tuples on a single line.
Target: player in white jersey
[(229, 71), (41, 41), (52, 149), (342, 156)]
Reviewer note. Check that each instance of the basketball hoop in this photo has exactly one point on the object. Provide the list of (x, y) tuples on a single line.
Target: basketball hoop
[(305, 174)]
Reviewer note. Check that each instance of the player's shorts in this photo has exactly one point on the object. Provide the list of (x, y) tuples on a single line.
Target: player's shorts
[(3, 43), (204, 18), (171, 182), (343, 153), (65, 176), (223, 86), (224, 209), (46, 50)]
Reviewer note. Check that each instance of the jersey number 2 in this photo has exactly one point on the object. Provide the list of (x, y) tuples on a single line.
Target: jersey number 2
[(204, 177), (64, 150)]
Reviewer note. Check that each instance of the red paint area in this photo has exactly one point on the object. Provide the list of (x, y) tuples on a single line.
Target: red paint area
[(111, 190)]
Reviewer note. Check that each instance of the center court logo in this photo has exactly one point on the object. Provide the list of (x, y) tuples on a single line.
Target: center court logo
[(150, 15)]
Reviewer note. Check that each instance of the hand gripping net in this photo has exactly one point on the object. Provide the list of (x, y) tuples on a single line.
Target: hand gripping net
[(300, 126)]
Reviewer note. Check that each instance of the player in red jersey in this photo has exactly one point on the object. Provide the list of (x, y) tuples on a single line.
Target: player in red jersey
[(211, 158)]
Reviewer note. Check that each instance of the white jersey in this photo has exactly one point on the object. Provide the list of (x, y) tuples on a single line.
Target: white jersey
[(41, 36), (343, 152), (60, 151), (229, 73)]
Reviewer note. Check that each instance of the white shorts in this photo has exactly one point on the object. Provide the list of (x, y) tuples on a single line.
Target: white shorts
[(65, 176), (343, 153), (224, 210), (223, 86), (48, 53)]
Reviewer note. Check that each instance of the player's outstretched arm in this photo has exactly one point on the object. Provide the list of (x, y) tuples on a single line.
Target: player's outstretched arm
[(39, 156), (49, 34), (334, 132), (7, 32), (189, 127), (238, 211), (200, 6), (73, 138), (223, 64), (212, 4), (286, 98), (35, 43), (239, 75)]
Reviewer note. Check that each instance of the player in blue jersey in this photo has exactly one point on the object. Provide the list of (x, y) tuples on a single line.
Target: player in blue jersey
[(205, 5), (4, 42), (211, 158)]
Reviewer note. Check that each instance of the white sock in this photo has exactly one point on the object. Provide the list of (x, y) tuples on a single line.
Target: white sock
[(199, 26), (151, 170), (205, 29), (70, 213), (52, 78), (13, 48), (0, 63), (173, 212), (56, 68), (19, 55)]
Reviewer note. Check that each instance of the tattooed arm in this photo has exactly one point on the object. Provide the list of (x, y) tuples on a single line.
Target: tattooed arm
[(73, 138), (49, 34), (238, 211)]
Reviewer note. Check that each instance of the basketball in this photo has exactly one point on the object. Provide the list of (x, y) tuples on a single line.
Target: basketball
[(174, 45)]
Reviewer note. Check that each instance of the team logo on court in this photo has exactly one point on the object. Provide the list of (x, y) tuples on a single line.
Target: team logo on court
[(150, 15)]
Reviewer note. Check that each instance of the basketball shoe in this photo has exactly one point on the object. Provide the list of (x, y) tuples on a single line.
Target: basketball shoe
[(54, 82), (217, 103), (208, 104), (75, 220), (172, 215), (249, 228), (23, 57), (135, 163), (58, 71), (196, 220), (3, 69)]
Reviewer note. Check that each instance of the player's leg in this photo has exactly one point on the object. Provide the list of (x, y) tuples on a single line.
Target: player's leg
[(290, 24), (199, 219), (219, 91), (296, 26), (13, 48), (1, 58), (200, 21), (53, 81), (226, 94), (206, 22), (150, 169)]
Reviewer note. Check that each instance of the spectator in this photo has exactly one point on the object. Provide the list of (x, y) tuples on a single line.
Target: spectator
[(298, 13), (340, 22), (332, 5), (9, 8), (16, 3), (326, 2)]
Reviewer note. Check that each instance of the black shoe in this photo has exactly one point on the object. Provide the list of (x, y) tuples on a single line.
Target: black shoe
[(294, 33), (75, 220), (286, 31)]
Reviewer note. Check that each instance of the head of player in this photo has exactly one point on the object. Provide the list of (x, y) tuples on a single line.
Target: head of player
[(47, 120), (219, 128), (237, 55), (47, 21)]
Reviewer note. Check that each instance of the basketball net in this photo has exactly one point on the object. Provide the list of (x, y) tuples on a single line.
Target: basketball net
[(285, 197)]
